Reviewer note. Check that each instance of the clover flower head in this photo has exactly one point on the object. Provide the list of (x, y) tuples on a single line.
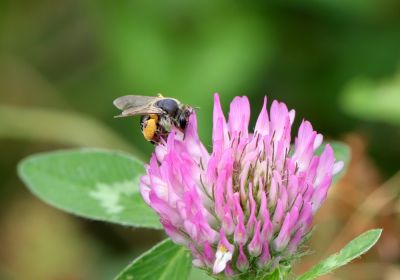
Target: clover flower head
[(248, 206)]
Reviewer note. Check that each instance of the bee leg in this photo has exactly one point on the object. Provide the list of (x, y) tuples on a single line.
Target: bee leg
[(149, 130)]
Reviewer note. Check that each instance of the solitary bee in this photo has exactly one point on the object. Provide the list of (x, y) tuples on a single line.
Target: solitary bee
[(158, 114)]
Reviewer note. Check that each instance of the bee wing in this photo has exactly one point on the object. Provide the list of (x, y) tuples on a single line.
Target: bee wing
[(141, 110), (131, 101), (132, 105)]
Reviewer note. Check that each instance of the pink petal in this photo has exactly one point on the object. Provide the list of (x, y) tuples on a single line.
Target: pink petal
[(242, 263), (239, 116), (255, 244), (262, 124), (220, 130)]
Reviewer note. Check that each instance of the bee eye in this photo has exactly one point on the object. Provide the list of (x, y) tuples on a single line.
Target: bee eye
[(182, 121), (168, 105)]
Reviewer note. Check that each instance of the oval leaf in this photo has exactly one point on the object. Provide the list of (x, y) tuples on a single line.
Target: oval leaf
[(198, 274), (164, 261), (93, 183), (354, 249)]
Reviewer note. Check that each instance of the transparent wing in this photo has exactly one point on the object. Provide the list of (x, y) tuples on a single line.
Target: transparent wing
[(132, 101), (132, 105), (141, 110)]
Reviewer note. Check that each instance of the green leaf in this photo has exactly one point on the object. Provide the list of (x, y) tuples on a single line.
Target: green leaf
[(165, 261), (354, 249), (280, 273), (275, 275), (342, 153), (198, 274), (93, 183)]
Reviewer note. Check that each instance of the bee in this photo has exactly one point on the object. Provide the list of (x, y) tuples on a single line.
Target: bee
[(158, 114)]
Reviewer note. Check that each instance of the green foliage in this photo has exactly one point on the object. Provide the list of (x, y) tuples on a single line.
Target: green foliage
[(352, 250), (275, 275), (373, 101), (198, 274), (93, 183), (164, 261)]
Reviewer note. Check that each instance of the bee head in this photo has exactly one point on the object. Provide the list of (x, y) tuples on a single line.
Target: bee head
[(183, 117), (170, 106)]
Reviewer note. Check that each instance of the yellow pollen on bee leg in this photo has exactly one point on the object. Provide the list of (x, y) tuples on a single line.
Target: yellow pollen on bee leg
[(154, 117), (150, 129)]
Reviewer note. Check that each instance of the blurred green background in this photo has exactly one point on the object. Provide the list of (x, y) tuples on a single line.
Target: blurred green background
[(63, 62)]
